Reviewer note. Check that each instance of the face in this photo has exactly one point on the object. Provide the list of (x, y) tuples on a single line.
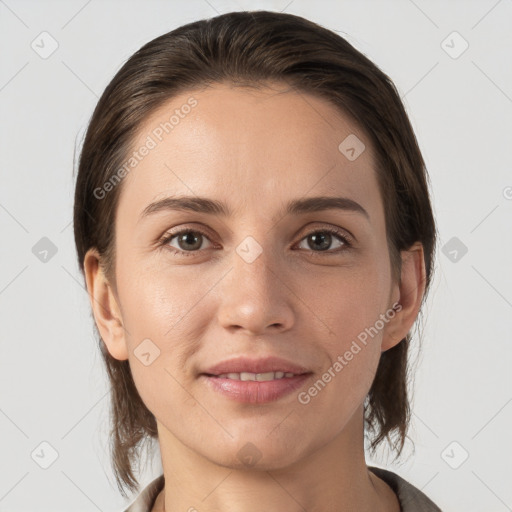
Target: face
[(198, 288)]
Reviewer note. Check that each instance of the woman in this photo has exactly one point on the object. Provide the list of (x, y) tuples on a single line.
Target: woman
[(253, 222)]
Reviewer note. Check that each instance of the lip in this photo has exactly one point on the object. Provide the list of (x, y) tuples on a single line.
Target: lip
[(255, 392), (261, 365)]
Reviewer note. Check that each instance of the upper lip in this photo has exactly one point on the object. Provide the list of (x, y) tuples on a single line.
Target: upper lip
[(261, 365)]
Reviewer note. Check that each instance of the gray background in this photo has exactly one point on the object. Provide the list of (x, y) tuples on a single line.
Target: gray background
[(52, 384)]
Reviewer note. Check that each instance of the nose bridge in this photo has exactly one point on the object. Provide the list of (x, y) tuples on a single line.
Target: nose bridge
[(254, 264), (253, 294)]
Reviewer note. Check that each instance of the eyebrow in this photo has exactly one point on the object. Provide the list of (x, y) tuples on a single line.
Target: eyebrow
[(213, 207)]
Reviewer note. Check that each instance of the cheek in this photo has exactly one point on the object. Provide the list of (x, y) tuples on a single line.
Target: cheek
[(155, 301), (349, 308), (164, 317), (159, 389), (346, 303)]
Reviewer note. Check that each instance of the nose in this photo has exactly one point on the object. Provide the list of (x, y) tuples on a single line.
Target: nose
[(256, 296)]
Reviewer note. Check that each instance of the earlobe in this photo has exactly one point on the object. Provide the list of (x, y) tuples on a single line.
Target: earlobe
[(410, 293), (104, 304)]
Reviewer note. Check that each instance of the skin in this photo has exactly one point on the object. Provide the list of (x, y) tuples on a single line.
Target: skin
[(255, 150)]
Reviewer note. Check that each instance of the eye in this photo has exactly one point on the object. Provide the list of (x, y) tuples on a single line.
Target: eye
[(189, 241), (321, 239)]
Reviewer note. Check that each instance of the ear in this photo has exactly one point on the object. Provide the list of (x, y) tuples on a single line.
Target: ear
[(105, 307), (408, 293)]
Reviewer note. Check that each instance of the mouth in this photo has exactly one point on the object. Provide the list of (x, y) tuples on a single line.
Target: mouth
[(258, 377), (255, 388), (265, 368), (255, 381)]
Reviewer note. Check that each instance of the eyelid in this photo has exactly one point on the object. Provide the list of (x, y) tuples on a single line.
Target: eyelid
[(329, 228)]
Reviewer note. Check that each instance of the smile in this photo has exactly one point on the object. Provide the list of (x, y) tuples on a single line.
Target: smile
[(260, 377), (255, 388)]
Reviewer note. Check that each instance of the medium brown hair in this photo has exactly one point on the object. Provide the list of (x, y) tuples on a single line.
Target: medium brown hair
[(253, 49)]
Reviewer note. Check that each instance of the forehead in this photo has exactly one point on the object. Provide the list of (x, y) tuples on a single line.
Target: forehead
[(250, 147)]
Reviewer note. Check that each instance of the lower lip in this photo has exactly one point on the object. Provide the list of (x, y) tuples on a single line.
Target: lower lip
[(256, 392)]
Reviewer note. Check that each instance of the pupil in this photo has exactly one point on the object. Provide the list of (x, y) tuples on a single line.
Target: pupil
[(324, 237), (185, 238)]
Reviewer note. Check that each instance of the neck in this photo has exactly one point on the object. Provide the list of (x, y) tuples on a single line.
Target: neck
[(332, 477)]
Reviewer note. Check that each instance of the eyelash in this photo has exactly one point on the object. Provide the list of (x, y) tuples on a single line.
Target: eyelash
[(333, 231)]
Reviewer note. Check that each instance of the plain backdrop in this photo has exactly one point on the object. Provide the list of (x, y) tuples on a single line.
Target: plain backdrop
[(451, 62)]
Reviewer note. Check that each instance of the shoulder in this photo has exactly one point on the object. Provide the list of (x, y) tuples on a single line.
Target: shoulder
[(411, 498), (146, 499)]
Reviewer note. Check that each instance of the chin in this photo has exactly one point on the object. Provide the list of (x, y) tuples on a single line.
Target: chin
[(257, 453)]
